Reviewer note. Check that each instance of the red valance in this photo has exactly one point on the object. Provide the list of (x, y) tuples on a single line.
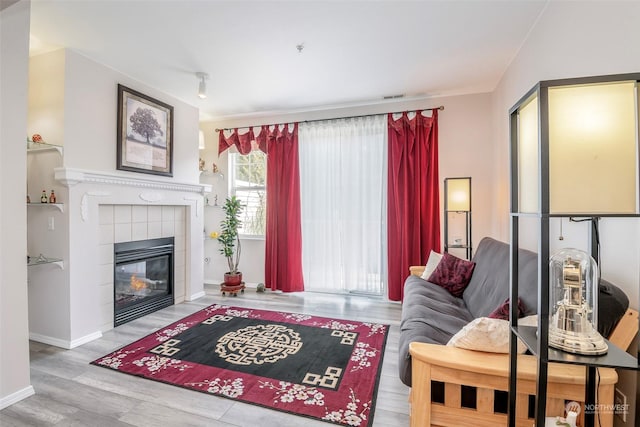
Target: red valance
[(247, 141)]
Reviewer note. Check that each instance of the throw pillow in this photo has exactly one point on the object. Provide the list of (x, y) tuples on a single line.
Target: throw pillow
[(432, 263), (502, 311), (453, 274), (485, 334)]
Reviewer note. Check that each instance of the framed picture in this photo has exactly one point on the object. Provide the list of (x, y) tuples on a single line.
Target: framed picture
[(145, 133)]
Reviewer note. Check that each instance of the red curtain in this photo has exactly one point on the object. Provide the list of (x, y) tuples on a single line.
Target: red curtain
[(283, 258), (283, 251), (413, 211)]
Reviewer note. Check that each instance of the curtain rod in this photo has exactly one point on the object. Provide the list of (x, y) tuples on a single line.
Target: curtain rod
[(441, 107)]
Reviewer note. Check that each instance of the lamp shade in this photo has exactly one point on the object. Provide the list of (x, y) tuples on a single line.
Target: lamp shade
[(457, 194), (584, 137), (592, 148)]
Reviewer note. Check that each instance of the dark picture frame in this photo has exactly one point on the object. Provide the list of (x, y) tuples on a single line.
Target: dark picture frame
[(145, 133)]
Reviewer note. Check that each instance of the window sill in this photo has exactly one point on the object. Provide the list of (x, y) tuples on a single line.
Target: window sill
[(250, 237)]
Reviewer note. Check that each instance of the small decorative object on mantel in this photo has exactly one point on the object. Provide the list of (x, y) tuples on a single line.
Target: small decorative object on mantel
[(215, 168), (201, 164), (43, 197), (37, 138)]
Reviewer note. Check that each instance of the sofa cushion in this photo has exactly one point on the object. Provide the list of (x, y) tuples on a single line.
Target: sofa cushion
[(502, 311), (432, 263), (485, 334), (489, 285), (612, 305), (453, 274)]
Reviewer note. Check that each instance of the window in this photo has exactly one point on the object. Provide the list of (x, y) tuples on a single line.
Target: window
[(248, 183)]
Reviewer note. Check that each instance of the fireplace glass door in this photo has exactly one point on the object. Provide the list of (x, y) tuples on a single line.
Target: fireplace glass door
[(143, 278)]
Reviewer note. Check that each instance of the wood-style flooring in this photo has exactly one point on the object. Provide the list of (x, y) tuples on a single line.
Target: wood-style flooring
[(70, 392)]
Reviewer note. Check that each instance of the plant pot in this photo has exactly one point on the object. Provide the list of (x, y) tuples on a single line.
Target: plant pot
[(232, 279)]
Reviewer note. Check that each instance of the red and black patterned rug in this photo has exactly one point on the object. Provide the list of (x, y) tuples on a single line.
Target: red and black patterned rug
[(322, 368)]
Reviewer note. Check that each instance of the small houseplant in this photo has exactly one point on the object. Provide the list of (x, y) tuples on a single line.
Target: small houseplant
[(230, 240)]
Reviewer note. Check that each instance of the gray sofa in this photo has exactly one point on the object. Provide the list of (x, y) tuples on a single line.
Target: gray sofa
[(431, 314)]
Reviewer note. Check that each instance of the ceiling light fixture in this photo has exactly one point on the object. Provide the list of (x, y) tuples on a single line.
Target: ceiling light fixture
[(202, 86)]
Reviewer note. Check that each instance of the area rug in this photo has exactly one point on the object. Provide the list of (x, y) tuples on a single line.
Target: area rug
[(317, 367)]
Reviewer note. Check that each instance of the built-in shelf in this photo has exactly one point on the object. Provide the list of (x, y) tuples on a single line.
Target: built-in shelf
[(458, 246), (41, 260), (59, 206), (219, 175), (614, 358), (42, 146)]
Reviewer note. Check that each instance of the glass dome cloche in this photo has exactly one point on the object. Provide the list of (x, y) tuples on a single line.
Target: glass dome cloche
[(573, 311)]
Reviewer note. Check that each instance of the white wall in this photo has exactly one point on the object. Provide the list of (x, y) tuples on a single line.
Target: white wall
[(465, 149), (90, 102), (574, 39), (15, 383)]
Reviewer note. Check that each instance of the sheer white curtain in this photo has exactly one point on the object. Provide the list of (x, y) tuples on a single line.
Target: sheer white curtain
[(343, 202)]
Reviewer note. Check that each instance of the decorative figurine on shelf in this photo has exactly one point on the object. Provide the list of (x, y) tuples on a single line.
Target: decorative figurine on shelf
[(43, 197), (573, 280), (201, 164), (215, 168), (28, 199), (52, 197), (36, 138)]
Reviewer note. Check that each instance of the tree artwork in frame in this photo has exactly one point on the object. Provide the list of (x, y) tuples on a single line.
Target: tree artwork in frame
[(145, 133)]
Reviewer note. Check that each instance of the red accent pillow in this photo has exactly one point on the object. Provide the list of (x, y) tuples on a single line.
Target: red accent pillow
[(453, 274), (502, 311)]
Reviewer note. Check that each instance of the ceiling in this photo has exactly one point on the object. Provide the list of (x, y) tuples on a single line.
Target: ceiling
[(354, 52)]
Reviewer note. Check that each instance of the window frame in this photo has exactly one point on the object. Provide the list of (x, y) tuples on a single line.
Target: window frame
[(233, 188)]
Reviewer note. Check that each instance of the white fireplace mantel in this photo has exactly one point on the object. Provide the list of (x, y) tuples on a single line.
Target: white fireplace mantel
[(72, 176)]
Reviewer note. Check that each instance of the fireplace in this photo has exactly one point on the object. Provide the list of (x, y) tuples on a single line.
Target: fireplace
[(143, 278)]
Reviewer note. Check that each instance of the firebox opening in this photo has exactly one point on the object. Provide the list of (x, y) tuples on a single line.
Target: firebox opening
[(143, 278)]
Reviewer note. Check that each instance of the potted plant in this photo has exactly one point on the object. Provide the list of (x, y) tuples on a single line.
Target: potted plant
[(230, 240)]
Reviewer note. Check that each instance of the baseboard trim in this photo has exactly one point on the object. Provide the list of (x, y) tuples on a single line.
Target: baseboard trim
[(87, 338), (196, 296), (45, 339), (16, 397)]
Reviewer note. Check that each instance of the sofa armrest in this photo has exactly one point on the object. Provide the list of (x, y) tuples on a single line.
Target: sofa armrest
[(626, 329), (488, 373), (497, 364), (416, 270)]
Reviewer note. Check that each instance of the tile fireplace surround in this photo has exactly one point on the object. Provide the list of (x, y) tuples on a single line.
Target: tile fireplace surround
[(103, 208)]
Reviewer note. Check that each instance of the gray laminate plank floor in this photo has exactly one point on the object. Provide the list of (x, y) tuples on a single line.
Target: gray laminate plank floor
[(70, 392)]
